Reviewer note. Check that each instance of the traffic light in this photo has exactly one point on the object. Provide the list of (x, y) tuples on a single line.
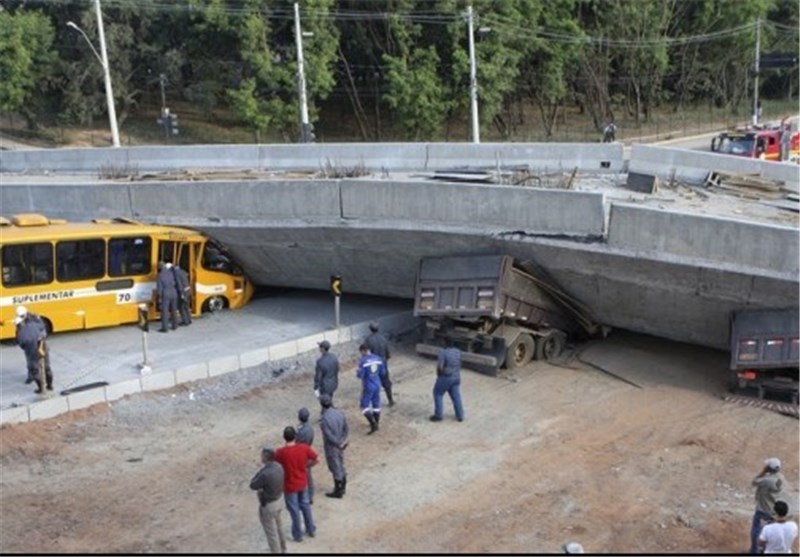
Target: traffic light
[(173, 123), (336, 285)]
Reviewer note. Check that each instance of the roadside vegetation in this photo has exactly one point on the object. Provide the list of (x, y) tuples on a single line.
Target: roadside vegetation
[(391, 70)]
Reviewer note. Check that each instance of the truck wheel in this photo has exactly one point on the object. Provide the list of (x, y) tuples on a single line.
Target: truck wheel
[(520, 352), (215, 304), (550, 346)]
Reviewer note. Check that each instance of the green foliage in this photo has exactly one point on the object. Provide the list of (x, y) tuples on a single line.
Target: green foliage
[(26, 58)]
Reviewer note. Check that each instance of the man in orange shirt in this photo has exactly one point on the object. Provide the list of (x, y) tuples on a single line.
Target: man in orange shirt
[(295, 459)]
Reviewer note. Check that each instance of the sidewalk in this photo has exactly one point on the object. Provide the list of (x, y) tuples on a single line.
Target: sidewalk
[(278, 326)]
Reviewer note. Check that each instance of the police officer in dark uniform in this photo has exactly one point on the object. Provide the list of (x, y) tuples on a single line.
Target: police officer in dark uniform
[(380, 346), (326, 377), (167, 296), (335, 440), (184, 295), (448, 380), (31, 335)]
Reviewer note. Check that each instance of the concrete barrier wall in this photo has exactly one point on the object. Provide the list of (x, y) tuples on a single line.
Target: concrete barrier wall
[(320, 156), (71, 202), (236, 200), (513, 208), (709, 238), (694, 166), (551, 157)]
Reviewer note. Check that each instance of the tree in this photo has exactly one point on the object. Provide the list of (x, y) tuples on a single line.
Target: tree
[(26, 60)]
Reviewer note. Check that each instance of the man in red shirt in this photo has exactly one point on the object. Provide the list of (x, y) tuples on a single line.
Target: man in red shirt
[(295, 458)]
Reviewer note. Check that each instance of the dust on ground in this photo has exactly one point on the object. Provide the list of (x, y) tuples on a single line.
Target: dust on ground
[(548, 454)]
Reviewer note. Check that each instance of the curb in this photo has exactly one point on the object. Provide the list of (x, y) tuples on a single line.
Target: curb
[(51, 407)]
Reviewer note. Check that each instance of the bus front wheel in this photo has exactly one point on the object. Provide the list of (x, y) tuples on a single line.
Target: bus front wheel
[(215, 304)]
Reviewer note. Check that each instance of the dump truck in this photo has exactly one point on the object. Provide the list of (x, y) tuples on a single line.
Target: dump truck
[(765, 358), (499, 311)]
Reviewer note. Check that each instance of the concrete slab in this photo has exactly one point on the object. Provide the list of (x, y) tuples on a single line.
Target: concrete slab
[(85, 399), (14, 415), (48, 408), (192, 372), (116, 391), (215, 344)]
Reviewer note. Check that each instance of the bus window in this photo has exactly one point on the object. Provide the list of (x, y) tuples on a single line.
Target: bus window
[(215, 259), (27, 264), (128, 256), (80, 260)]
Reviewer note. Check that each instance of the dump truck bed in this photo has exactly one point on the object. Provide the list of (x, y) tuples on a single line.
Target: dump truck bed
[(489, 286), (765, 339)]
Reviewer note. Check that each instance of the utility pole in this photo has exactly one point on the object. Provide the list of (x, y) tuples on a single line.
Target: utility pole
[(301, 78), (757, 69), (112, 113), (473, 79)]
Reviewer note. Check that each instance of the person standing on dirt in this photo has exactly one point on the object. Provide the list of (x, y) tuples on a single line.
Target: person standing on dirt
[(167, 296), (31, 335), (779, 536), (326, 376), (379, 346), (184, 295), (770, 486), (448, 380), (371, 372), (295, 459), (305, 434), (610, 133), (268, 482), (335, 440)]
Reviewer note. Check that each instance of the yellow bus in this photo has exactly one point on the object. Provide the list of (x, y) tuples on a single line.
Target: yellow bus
[(87, 275)]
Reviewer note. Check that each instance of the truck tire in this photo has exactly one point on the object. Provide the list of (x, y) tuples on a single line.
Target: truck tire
[(520, 352), (550, 346)]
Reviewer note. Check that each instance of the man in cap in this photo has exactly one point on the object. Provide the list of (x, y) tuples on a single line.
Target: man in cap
[(371, 371), (379, 346), (305, 434), (334, 434), (448, 380), (167, 287), (31, 335), (770, 486), (268, 482), (326, 376), (295, 459)]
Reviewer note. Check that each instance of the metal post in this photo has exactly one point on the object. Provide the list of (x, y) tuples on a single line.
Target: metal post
[(144, 367), (301, 76), (336, 309), (755, 79), (112, 113), (473, 79), (162, 79)]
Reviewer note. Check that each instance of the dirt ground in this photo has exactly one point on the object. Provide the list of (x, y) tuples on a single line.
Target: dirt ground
[(548, 454)]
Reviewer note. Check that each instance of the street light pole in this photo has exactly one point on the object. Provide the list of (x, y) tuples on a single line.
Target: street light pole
[(103, 59), (473, 79), (301, 77), (755, 79)]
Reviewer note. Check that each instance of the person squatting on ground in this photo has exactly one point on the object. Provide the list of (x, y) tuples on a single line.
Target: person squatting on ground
[(326, 376), (379, 346), (448, 380), (610, 133), (167, 296), (305, 434), (295, 459), (268, 482), (778, 536), (770, 486), (184, 295), (371, 371), (31, 335), (335, 440)]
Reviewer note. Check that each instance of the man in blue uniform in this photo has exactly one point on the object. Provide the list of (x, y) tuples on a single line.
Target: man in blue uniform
[(326, 374), (371, 371), (31, 335), (167, 296), (448, 380)]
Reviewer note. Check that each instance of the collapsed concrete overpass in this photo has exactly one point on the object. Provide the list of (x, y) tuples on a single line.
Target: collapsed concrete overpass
[(655, 265)]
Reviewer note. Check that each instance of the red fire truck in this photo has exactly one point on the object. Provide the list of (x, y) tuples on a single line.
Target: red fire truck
[(760, 143)]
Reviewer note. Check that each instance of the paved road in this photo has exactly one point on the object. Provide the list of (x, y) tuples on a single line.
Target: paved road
[(113, 354)]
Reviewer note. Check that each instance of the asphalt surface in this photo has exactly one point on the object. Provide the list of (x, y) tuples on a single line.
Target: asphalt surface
[(113, 354)]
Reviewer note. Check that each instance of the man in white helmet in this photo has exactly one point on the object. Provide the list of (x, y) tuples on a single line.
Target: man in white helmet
[(770, 487), (31, 335)]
